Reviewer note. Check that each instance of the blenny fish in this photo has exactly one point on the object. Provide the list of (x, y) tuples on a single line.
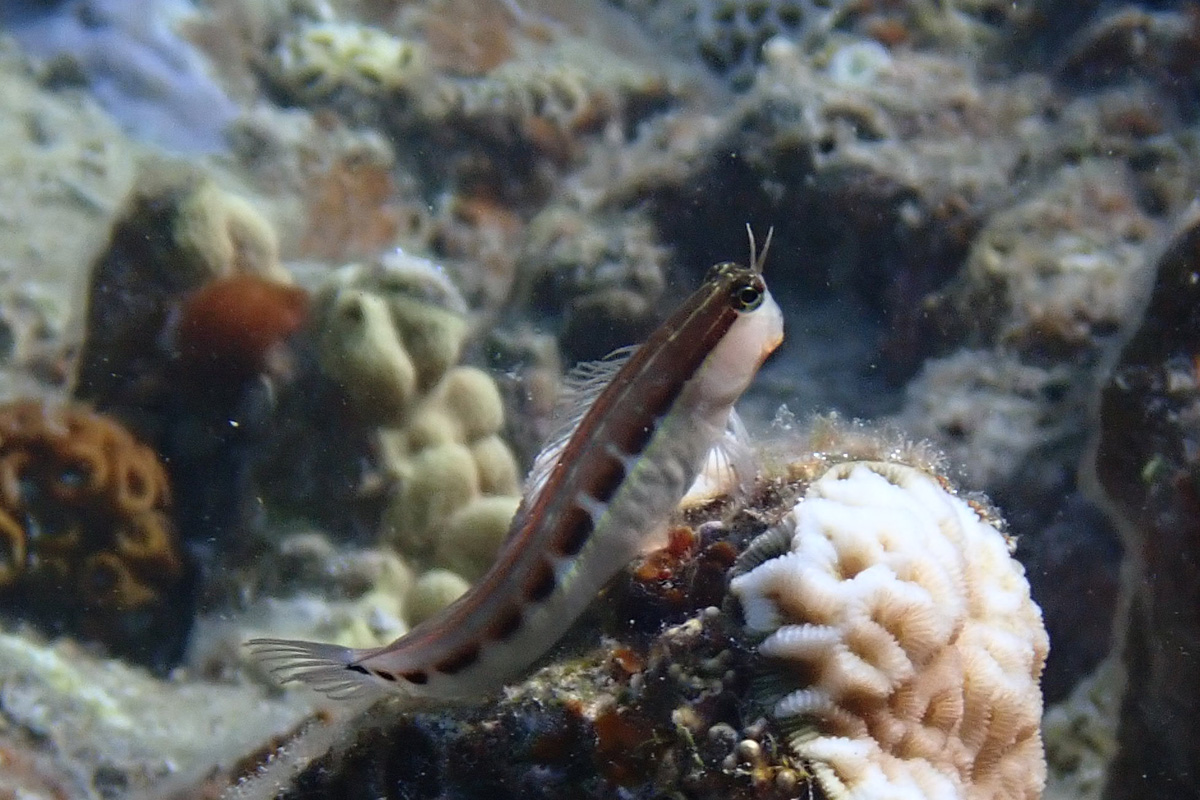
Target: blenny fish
[(635, 431)]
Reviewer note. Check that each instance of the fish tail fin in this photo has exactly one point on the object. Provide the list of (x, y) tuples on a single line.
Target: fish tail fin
[(330, 669)]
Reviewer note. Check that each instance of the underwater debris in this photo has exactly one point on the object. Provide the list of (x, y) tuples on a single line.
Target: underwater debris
[(908, 650), (88, 546), (1146, 471)]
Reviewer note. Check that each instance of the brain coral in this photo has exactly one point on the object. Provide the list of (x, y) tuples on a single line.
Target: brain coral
[(908, 646), (85, 540)]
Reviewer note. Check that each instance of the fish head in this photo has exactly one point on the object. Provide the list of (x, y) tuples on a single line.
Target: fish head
[(755, 332)]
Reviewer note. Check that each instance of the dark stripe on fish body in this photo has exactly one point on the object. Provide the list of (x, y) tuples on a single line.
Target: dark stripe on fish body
[(573, 531), (576, 524), (458, 661), (417, 676), (540, 583), (634, 438), (505, 624), (604, 477)]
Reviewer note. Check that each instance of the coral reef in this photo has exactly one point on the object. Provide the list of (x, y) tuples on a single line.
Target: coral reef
[(1145, 468), (1051, 278), (617, 721), (177, 232), (636, 708), (989, 411), (88, 545), (67, 166), (388, 332), (876, 181), (392, 334), (496, 129), (966, 196), (353, 209), (432, 592), (188, 312), (908, 648), (1081, 735), (1131, 43), (729, 35), (305, 584)]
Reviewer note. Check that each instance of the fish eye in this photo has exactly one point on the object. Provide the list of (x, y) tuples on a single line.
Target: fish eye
[(749, 295)]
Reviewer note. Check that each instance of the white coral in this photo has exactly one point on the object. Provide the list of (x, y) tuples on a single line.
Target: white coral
[(912, 634)]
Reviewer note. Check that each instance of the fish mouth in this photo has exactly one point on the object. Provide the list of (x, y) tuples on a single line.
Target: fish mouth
[(770, 346)]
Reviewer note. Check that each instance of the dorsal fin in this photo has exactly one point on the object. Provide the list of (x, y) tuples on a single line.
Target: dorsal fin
[(581, 386)]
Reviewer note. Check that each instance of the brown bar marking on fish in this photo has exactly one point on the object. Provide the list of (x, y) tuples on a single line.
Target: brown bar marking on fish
[(540, 582), (459, 660), (576, 524), (505, 624), (574, 529)]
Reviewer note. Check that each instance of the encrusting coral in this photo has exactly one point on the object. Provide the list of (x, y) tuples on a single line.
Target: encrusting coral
[(908, 648), (392, 334), (324, 57), (87, 543)]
